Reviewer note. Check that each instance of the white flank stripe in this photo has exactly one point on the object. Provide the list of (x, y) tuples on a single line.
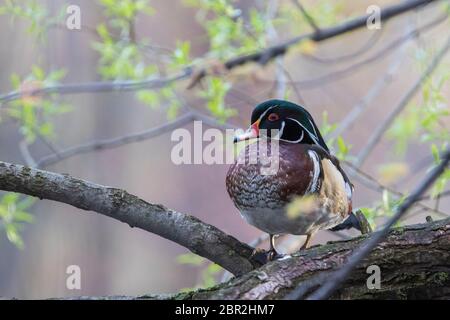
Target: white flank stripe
[(348, 190), (315, 179)]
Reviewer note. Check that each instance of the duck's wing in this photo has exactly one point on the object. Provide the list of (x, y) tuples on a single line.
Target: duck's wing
[(332, 179)]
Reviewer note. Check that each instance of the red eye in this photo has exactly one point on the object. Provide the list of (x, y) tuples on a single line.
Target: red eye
[(273, 117)]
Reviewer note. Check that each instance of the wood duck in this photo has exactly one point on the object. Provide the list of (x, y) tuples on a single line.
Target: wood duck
[(305, 168)]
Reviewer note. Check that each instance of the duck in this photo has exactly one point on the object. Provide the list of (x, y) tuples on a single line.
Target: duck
[(305, 170)]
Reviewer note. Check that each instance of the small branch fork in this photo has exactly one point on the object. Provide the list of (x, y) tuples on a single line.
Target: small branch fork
[(307, 16)]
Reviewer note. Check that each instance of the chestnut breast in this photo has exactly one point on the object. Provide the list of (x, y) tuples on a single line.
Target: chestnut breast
[(249, 188)]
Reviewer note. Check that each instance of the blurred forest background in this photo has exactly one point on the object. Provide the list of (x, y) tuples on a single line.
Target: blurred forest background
[(349, 83)]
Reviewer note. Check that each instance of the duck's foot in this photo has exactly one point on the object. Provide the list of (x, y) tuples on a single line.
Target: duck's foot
[(273, 255), (259, 255), (263, 256)]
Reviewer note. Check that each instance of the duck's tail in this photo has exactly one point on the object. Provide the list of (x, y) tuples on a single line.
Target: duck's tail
[(354, 220)]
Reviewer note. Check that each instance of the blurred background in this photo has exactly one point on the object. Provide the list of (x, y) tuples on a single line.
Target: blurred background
[(365, 70)]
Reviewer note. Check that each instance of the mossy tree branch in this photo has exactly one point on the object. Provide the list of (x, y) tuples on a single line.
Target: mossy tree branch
[(414, 263)]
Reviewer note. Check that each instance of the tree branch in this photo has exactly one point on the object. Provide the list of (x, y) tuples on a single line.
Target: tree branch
[(306, 15), (381, 129), (380, 54), (373, 184), (114, 142), (382, 82), (191, 115), (104, 86), (413, 261), (264, 56), (188, 231), (261, 57)]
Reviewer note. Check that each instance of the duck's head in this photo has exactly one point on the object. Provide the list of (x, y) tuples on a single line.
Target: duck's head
[(293, 124)]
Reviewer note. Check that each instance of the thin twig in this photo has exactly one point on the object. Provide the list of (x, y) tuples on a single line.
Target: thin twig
[(362, 105), (350, 70), (272, 34), (441, 195), (381, 129), (26, 154), (94, 87), (365, 48), (117, 142), (114, 142), (307, 16), (372, 183)]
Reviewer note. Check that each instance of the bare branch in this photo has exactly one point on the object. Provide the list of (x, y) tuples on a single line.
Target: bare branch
[(440, 195), (94, 87), (371, 95), (115, 142), (261, 57), (369, 44), (374, 184), (188, 231), (26, 155), (307, 16), (351, 69), (381, 129)]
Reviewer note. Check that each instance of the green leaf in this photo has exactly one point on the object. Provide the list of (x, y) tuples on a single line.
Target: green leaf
[(38, 73), (13, 235), (181, 53), (12, 216), (15, 81), (435, 153), (191, 259)]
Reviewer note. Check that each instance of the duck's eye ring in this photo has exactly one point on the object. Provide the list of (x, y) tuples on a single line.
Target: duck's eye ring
[(273, 117)]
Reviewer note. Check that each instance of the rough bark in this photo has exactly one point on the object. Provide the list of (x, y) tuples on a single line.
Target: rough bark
[(414, 263), (188, 231)]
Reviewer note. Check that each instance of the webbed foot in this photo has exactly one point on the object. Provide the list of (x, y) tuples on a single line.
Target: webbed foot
[(264, 257)]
